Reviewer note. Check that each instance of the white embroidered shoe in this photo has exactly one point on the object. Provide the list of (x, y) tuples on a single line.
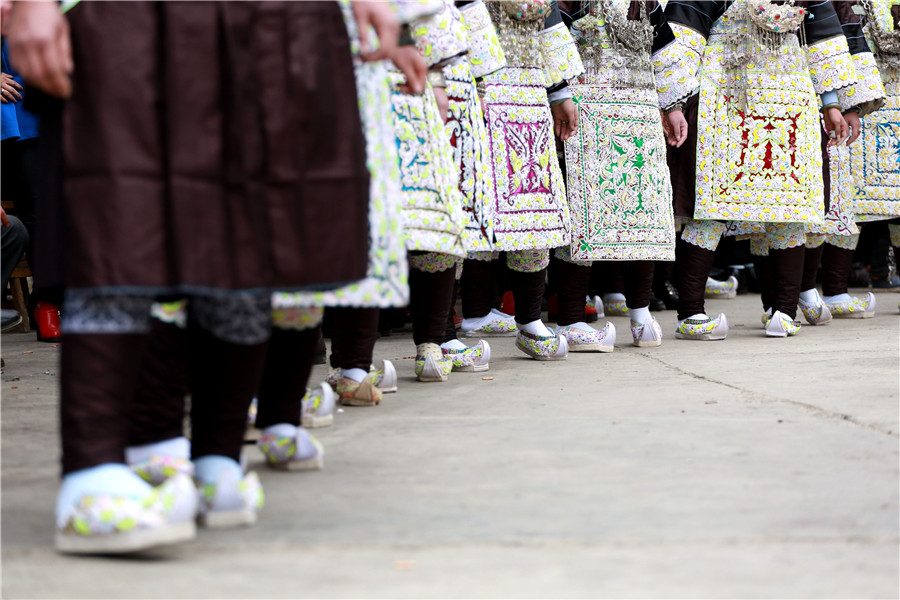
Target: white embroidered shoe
[(721, 289), (816, 313), (588, 339), (646, 335), (781, 325), (855, 308), (701, 327), (473, 359), (317, 407)]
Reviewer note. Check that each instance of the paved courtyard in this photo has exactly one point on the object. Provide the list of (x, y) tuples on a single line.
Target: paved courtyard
[(752, 467)]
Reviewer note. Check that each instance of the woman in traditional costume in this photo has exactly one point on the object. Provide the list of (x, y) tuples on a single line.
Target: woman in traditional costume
[(748, 75), (221, 199), (834, 242), (619, 192)]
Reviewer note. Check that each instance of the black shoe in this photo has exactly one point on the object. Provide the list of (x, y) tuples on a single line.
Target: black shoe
[(10, 319), (656, 304)]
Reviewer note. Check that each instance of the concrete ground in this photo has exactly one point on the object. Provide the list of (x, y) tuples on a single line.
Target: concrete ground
[(752, 467)]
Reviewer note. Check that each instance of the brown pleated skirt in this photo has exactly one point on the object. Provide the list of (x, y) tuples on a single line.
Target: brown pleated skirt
[(212, 146)]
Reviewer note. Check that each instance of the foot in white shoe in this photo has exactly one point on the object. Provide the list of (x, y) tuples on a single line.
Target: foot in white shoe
[(155, 463), (228, 498), (813, 308), (647, 334), (781, 325), (317, 407), (472, 359), (539, 347), (846, 306), (701, 327), (108, 509), (721, 289), (581, 337), (431, 364), (493, 324)]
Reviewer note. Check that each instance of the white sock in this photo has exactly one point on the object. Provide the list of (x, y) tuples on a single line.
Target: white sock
[(535, 328), (179, 447), (610, 297), (501, 314), (640, 315), (581, 325), (810, 296), (356, 375), (207, 469), (471, 324), (838, 298), (453, 345), (110, 478)]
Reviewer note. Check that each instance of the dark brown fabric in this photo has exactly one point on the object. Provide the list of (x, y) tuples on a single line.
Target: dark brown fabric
[(158, 410), (450, 326), (98, 376), (826, 170), (683, 164), (429, 302), (836, 265), (213, 145), (638, 283), (763, 267), (224, 378), (694, 264), (787, 273), (607, 277), (289, 361), (572, 283), (811, 267), (528, 293), (478, 288), (353, 336)]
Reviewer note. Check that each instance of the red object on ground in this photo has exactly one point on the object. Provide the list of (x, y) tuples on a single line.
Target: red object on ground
[(47, 318)]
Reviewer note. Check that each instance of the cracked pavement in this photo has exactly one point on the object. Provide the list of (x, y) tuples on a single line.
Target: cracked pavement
[(751, 467)]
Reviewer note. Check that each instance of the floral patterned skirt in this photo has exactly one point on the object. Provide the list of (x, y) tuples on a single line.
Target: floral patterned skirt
[(471, 153), (529, 210), (620, 194), (759, 159), (875, 163)]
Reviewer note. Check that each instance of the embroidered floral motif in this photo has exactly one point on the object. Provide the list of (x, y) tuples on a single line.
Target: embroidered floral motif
[(848, 242), (297, 318), (530, 210), (560, 54), (432, 212), (174, 313), (485, 53), (432, 262), (705, 234), (830, 65), (440, 36), (468, 135), (676, 66), (528, 261), (483, 255), (474, 358), (868, 91), (564, 254), (777, 236), (839, 219), (814, 240), (895, 235), (411, 10), (620, 194), (758, 160), (875, 162), (541, 347)]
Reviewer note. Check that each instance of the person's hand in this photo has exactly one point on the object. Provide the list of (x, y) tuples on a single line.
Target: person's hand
[(408, 60), (854, 124), (379, 16), (440, 95), (3, 217), (677, 129), (9, 88), (39, 46), (565, 119), (835, 124)]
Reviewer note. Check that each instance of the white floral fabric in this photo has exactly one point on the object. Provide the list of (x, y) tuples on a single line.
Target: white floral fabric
[(868, 91), (440, 36), (839, 218), (705, 234), (875, 162), (485, 52), (471, 153), (528, 261), (529, 210), (758, 160), (560, 55), (677, 66)]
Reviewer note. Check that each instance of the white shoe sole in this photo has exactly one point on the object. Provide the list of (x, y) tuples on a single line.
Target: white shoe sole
[(648, 344), (537, 356), (858, 315), (226, 519), (472, 368), (314, 463), (480, 334), (125, 542), (590, 348), (314, 422), (706, 337)]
